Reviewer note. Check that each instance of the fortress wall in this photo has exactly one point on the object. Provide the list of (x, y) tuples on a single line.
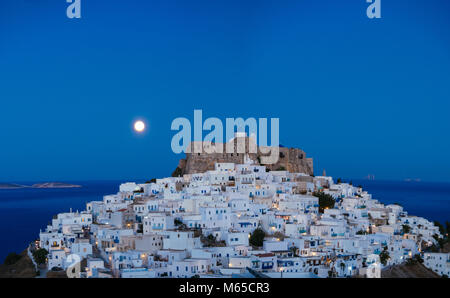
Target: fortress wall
[(292, 159)]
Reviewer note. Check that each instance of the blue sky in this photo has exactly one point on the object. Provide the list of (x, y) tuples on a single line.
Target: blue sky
[(358, 95)]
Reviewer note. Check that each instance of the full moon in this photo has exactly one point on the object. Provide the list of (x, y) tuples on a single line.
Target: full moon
[(139, 126)]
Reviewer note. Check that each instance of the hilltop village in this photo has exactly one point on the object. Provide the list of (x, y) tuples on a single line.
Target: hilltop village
[(237, 220)]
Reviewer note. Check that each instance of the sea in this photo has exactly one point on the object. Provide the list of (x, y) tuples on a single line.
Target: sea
[(23, 212)]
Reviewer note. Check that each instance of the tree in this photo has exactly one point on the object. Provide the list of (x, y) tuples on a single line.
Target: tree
[(40, 255), (257, 237), (281, 168), (441, 227), (384, 256), (153, 180), (342, 264), (325, 201), (294, 250), (406, 229), (279, 235), (339, 180), (211, 241), (11, 258)]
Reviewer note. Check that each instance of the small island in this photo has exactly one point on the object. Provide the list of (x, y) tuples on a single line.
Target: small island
[(38, 185), (11, 186), (54, 185)]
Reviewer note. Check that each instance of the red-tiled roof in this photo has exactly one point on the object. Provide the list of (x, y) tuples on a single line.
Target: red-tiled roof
[(266, 255)]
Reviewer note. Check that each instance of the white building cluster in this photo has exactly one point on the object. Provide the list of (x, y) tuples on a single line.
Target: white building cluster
[(200, 225)]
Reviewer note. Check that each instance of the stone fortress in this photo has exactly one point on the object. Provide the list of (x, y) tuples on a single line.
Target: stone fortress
[(199, 161)]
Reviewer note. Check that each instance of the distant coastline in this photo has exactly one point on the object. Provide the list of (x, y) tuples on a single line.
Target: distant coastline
[(38, 185)]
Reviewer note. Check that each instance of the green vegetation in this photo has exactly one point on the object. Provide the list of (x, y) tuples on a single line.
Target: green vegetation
[(279, 235), (441, 241), (153, 180), (281, 168), (339, 180), (406, 229), (293, 250), (325, 201), (11, 258), (384, 256), (40, 255), (211, 241), (442, 230), (257, 237)]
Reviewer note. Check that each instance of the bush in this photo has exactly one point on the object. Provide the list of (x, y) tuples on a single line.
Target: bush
[(325, 201), (257, 237), (441, 228), (279, 235), (40, 255), (11, 259), (406, 229), (384, 256)]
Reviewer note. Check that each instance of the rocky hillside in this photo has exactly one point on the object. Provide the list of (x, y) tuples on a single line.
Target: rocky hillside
[(22, 268)]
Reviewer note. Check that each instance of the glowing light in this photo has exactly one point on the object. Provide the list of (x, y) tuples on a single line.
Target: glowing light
[(139, 126)]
